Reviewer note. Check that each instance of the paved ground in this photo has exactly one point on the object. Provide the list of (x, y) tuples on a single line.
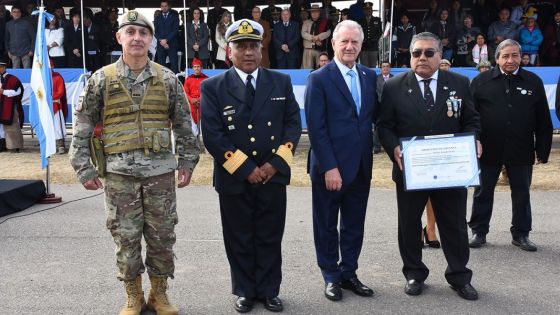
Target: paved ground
[(61, 261)]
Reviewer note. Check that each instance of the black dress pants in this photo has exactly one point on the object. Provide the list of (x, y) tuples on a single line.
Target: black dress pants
[(253, 227), (450, 207), (520, 177)]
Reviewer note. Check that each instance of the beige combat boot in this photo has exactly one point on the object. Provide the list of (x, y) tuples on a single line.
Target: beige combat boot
[(158, 300), (135, 301)]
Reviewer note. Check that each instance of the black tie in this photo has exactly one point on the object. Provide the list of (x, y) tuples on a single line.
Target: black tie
[(249, 91), (428, 96)]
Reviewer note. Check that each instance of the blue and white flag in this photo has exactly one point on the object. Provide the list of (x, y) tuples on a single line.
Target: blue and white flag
[(40, 111)]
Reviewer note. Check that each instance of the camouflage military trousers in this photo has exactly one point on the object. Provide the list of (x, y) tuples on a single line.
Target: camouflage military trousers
[(142, 206)]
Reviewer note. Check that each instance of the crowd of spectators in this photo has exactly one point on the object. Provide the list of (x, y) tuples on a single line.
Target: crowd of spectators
[(295, 35)]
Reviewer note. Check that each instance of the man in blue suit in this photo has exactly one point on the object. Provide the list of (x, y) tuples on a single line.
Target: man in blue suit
[(286, 36), (167, 27), (340, 102)]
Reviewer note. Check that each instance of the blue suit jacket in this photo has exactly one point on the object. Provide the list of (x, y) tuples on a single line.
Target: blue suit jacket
[(167, 28), (290, 36), (340, 138)]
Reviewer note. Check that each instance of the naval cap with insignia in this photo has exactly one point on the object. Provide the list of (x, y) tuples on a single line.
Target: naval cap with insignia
[(134, 17), (244, 30)]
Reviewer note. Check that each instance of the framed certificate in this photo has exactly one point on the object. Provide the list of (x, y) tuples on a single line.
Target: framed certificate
[(439, 162)]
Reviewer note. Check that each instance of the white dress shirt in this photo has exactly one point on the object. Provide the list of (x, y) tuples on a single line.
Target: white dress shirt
[(244, 75), (433, 84)]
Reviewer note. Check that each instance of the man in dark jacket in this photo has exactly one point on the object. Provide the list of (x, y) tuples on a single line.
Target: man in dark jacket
[(516, 126), (372, 32)]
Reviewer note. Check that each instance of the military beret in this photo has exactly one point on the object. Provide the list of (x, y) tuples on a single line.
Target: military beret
[(244, 29), (368, 5), (136, 18), (3, 62)]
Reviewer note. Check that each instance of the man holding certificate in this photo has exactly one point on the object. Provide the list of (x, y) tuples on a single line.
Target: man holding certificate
[(417, 104)]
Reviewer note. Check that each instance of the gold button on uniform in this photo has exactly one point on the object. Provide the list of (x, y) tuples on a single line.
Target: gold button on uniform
[(252, 139), (229, 119), (250, 126), (272, 138), (269, 124), (254, 153)]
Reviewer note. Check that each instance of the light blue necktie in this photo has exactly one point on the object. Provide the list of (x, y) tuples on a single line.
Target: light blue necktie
[(354, 89)]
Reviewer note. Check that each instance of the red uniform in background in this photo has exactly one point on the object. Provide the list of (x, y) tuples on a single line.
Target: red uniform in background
[(192, 89), (60, 109)]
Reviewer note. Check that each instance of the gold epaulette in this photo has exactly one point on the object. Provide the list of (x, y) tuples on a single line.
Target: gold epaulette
[(285, 152), (234, 160)]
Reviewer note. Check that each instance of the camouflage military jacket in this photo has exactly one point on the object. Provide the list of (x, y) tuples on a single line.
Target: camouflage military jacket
[(89, 111)]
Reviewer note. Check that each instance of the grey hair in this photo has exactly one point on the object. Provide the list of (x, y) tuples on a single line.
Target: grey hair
[(426, 36), (504, 44), (348, 24)]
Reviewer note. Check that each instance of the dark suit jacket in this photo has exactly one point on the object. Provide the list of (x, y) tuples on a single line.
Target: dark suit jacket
[(558, 99), (202, 39), (516, 125), (403, 112), (290, 35), (380, 84), (228, 124), (339, 137), (167, 28), (93, 38)]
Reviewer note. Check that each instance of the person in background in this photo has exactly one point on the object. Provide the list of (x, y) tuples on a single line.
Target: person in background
[(11, 109), (166, 30), (381, 79), (315, 33), (19, 40), (465, 41), (4, 18), (344, 15), (482, 13), (323, 60), (525, 60), (456, 15), (92, 36), (404, 32), (73, 42), (192, 89), (501, 29), (275, 16), (267, 12), (286, 37), (114, 49), (60, 108), (222, 60), (551, 44), (444, 64), (197, 39), (303, 15), (530, 38), (356, 11), (214, 17), (446, 32), (518, 11), (372, 32), (430, 17), (242, 9), (480, 52), (484, 66), (516, 131), (267, 36), (54, 36)]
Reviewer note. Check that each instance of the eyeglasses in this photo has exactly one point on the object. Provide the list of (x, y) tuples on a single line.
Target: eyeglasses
[(428, 53)]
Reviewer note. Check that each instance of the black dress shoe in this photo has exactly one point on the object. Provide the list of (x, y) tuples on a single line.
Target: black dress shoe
[(433, 244), (356, 286), (243, 304), (477, 240), (524, 243), (273, 304), (467, 292), (333, 291), (413, 287)]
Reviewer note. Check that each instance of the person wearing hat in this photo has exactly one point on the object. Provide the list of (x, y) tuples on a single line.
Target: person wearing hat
[(483, 66), (530, 37), (11, 110), (286, 37), (275, 16), (73, 42), (60, 108), (124, 120), (444, 64), (372, 32), (315, 33), (251, 126), (267, 12), (114, 49), (192, 89)]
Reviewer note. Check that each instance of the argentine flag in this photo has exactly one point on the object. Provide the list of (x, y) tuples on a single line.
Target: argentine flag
[(40, 112)]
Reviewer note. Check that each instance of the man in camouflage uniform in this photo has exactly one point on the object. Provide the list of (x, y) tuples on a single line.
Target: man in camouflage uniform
[(136, 103)]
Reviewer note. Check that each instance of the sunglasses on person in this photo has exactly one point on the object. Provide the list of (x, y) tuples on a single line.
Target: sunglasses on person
[(429, 53)]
